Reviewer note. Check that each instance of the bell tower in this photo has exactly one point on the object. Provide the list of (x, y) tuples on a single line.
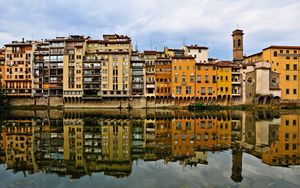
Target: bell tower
[(238, 49)]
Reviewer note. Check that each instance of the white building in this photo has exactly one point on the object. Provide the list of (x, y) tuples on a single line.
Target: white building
[(200, 53)]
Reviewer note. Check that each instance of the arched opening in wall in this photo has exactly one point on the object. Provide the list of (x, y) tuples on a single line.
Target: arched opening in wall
[(276, 100), (268, 100), (180, 101), (200, 100), (188, 100), (219, 98), (261, 100), (228, 98), (73, 100), (197, 100), (214, 99), (209, 100), (239, 43), (223, 98), (205, 100)]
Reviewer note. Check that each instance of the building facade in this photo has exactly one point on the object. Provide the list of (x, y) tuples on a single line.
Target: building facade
[(138, 73), (183, 77), (18, 68), (200, 53)]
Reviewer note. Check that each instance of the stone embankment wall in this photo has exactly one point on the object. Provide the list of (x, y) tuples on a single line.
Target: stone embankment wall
[(124, 102)]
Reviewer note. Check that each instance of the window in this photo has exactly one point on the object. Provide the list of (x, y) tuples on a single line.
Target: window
[(287, 91), (275, 54), (287, 122), (206, 78), (294, 122), (287, 66), (294, 91), (287, 77), (203, 90), (210, 90), (295, 66), (188, 90), (198, 78), (178, 89), (175, 78), (295, 77)]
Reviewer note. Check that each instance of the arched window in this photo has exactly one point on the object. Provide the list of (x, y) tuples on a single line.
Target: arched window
[(275, 54), (239, 42)]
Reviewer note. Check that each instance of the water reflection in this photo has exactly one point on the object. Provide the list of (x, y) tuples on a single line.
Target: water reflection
[(81, 143)]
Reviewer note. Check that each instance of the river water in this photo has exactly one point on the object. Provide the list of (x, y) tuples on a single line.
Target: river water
[(149, 148)]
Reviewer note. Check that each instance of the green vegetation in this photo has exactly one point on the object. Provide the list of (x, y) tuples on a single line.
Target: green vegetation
[(201, 107)]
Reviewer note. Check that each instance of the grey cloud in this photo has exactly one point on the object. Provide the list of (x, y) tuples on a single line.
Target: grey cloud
[(168, 22)]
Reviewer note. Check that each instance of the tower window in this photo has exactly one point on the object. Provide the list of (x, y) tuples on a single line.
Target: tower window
[(239, 42)]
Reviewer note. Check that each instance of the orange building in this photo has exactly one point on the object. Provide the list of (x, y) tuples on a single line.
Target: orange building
[(206, 80), (163, 77), (2, 63), (18, 65), (183, 80)]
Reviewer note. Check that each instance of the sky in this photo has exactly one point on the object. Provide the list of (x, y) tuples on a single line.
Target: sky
[(153, 24)]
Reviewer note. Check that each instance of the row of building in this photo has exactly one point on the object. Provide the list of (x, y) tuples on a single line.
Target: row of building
[(81, 67), (80, 147)]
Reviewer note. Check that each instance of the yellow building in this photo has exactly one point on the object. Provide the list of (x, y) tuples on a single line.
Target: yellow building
[(283, 60), (116, 75), (206, 80), (224, 79), (72, 66), (183, 77), (18, 66)]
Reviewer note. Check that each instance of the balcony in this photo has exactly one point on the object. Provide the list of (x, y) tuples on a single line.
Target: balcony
[(236, 81), (235, 72), (236, 94)]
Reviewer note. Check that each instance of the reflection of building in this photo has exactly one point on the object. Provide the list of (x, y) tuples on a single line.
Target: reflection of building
[(149, 135), (18, 145), (284, 150), (73, 147), (49, 145), (116, 147), (163, 141)]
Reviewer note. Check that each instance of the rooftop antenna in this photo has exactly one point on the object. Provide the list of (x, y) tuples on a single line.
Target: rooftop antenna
[(136, 46), (151, 42)]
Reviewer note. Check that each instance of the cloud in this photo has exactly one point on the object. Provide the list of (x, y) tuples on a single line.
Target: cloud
[(167, 23)]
